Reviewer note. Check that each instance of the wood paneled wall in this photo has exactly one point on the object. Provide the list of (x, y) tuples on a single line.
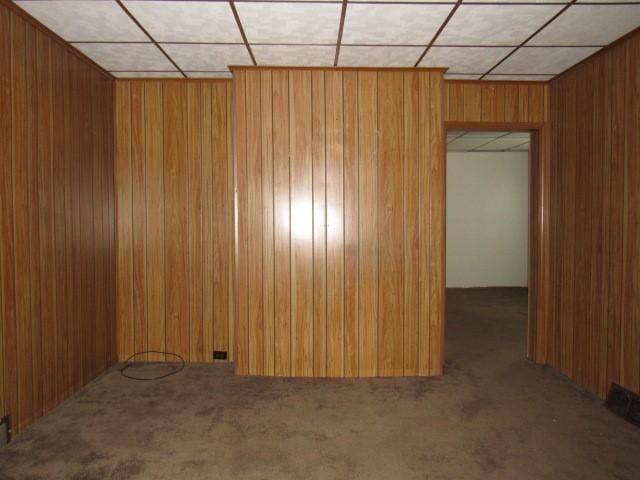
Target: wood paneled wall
[(496, 102), (520, 106), (594, 327), (340, 222), (56, 221), (174, 218)]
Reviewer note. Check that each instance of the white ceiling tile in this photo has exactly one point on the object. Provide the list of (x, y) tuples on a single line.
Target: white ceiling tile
[(504, 143), (379, 56), (544, 60), (487, 135), (461, 76), (520, 136), (401, 1), (466, 143), (294, 55), (525, 147), (516, 1), (187, 21), (209, 74), (82, 20), (607, 1), (495, 24), (126, 56), (290, 22), (393, 24), (464, 59), (589, 25), (207, 57), (175, 74), (532, 78)]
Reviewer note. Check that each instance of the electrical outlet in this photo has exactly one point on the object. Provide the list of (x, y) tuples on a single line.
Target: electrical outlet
[(219, 355)]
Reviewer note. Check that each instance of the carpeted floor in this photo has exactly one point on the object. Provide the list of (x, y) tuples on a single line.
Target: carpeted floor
[(493, 415)]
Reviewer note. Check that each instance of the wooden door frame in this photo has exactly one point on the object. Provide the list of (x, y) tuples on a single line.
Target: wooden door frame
[(538, 247)]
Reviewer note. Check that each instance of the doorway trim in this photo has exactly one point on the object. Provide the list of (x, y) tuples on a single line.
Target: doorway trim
[(539, 186)]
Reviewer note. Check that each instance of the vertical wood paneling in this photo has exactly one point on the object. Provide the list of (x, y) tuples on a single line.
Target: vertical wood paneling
[(53, 244), (154, 200), (411, 198), (300, 141), (222, 219), (424, 226), (436, 227), (319, 224), (268, 287), (368, 224), (9, 402), (335, 224), (358, 187), (138, 217), (254, 225), (351, 223), (630, 370), (391, 224), (282, 221), (595, 262), (175, 229), (195, 105), (176, 219)]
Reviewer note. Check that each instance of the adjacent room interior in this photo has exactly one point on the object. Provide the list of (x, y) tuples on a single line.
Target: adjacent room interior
[(338, 239)]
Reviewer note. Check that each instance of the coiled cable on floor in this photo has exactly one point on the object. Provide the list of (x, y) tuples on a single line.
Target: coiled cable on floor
[(128, 363)]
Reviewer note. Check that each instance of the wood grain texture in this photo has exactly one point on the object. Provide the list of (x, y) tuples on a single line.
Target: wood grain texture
[(349, 289), (594, 251), (174, 217), (494, 102), (55, 233)]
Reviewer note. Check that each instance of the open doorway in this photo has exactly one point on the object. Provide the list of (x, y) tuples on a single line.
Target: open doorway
[(488, 246)]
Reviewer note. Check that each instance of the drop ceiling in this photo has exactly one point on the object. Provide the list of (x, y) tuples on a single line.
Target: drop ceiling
[(490, 141), (477, 39)]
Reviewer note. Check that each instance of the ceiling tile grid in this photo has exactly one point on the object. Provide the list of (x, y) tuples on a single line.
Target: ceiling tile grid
[(530, 40)]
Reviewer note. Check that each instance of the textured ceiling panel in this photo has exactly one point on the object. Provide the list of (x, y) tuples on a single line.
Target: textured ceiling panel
[(294, 55), (207, 57), (516, 1), (208, 74), (187, 21), (464, 60), (379, 56), (175, 74), (393, 24), (85, 21), (543, 60), (527, 78), (504, 143), (461, 76), (126, 56), (590, 25), (290, 22), (495, 24), (467, 141)]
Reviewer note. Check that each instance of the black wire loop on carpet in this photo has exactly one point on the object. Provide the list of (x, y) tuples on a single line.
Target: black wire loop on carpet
[(128, 363)]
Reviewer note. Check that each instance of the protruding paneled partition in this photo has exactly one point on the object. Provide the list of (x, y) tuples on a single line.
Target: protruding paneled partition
[(340, 221)]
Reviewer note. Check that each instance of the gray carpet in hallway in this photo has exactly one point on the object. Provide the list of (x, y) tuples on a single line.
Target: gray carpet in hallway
[(494, 415)]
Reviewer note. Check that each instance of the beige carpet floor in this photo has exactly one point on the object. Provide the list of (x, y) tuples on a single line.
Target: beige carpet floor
[(493, 415)]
